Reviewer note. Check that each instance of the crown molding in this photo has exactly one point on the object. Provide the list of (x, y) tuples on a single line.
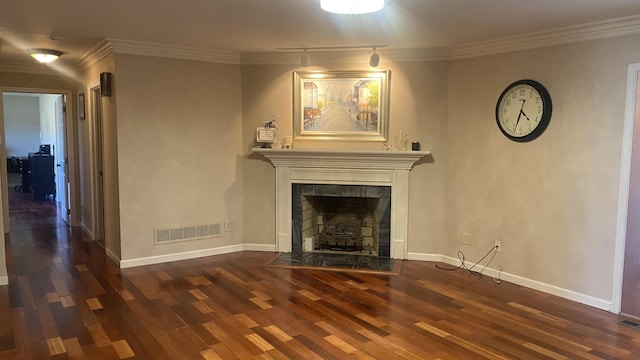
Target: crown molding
[(624, 26), (343, 56), (39, 69), (120, 46), (406, 55), (26, 68), (98, 52)]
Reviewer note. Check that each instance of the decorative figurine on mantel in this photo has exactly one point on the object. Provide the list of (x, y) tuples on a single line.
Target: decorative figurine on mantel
[(268, 133), (400, 142), (287, 142)]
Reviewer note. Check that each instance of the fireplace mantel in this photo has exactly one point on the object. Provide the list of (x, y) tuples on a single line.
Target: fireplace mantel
[(347, 167), (343, 158)]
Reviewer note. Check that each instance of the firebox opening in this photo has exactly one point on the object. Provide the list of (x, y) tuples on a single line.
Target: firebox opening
[(340, 224), (341, 218)]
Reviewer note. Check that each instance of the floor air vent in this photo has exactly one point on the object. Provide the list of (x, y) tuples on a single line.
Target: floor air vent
[(631, 324), (186, 233)]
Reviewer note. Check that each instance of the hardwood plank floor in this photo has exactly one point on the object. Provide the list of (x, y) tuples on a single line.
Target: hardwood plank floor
[(65, 300)]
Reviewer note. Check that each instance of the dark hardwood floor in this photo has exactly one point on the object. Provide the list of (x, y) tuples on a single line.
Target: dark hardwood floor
[(65, 300)]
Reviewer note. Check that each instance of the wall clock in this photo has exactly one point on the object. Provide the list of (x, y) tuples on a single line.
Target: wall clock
[(523, 110)]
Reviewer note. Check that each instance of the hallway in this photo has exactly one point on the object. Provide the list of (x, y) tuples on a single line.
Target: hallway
[(66, 301), (40, 248)]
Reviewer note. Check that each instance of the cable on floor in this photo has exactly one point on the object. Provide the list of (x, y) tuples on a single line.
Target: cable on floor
[(462, 265), (497, 279)]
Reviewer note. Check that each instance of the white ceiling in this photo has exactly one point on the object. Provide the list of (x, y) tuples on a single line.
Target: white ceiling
[(264, 25)]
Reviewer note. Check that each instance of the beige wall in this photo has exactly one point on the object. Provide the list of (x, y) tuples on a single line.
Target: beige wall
[(179, 151), (552, 202), (21, 124), (47, 120), (87, 170), (266, 90), (37, 81)]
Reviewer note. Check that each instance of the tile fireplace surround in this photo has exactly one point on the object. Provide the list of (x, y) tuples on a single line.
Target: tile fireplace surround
[(343, 167)]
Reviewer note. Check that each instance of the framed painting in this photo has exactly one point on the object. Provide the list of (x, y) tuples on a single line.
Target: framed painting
[(81, 104), (341, 105)]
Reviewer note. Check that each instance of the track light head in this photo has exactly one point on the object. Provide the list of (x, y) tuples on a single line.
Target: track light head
[(304, 58), (375, 59)]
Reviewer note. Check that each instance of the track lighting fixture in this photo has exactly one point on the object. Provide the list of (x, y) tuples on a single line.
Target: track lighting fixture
[(304, 58), (375, 59), (44, 55)]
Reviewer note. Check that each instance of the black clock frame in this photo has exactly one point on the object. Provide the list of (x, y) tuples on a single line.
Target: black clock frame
[(546, 110)]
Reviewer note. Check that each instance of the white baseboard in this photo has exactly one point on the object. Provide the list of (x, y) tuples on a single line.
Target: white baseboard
[(113, 257), (4, 280), (519, 280), (158, 259), (425, 257), (192, 254), (86, 230), (259, 247)]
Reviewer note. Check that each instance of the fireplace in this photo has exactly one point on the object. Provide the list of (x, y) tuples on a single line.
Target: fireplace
[(341, 218), (360, 168)]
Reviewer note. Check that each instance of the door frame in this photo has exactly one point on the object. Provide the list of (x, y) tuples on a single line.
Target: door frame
[(71, 148), (625, 183), (96, 150), (61, 169)]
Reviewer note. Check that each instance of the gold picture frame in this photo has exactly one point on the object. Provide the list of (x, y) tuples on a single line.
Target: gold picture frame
[(341, 105)]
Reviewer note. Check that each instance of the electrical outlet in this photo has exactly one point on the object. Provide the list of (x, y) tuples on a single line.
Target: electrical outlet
[(499, 246), (229, 226), (466, 239)]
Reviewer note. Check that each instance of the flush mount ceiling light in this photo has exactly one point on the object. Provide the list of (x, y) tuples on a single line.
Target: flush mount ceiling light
[(44, 55), (351, 6)]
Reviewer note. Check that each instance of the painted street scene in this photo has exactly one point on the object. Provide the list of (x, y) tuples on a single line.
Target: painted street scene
[(341, 105)]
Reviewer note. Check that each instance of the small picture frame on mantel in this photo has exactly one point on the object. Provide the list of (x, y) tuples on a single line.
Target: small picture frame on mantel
[(267, 136), (81, 107)]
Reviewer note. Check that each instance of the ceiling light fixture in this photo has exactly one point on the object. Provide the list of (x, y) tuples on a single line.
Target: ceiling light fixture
[(375, 59), (352, 7), (44, 55)]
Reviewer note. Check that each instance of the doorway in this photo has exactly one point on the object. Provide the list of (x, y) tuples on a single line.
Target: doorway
[(35, 141)]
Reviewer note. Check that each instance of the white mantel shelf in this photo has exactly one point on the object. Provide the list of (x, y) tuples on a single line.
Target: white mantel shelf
[(345, 167), (378, 159)]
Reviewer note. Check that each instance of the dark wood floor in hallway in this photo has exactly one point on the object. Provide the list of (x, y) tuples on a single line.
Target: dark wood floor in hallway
[(66, 300)]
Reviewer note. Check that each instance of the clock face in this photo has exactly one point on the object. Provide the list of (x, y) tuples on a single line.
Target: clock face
[(523, 110)]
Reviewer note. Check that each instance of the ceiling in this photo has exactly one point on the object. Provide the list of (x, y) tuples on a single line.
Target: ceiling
[(75, 26)]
